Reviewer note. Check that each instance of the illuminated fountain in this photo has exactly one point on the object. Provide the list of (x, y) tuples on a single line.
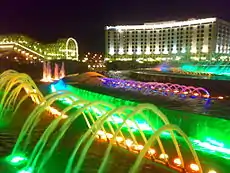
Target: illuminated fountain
[(56, 72), (99, 116), (62, 71), (153, 88), (220, 68), (47, 72)]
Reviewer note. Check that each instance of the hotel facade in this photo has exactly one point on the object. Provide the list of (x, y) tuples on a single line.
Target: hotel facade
[(191, 40)]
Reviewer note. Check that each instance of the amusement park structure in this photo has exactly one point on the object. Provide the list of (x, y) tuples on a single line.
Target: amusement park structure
[(31, 49)]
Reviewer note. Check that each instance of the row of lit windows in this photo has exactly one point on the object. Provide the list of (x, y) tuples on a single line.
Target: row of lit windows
[(198, 42), (151, 45), (166, 48), (142, 41), (160, 51), (160, 44), (111, 33), (160, 35)]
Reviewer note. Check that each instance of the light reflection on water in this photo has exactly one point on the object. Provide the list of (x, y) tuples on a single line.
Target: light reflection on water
[(214, 107)]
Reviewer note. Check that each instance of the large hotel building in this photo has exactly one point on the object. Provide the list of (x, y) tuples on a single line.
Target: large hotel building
[(194, 40)]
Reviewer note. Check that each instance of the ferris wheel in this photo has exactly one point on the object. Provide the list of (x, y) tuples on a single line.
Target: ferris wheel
[(71, 49)]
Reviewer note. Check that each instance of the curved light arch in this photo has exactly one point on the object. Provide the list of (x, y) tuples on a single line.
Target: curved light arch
[(168, 127), (68, 123), (67, 50), (102, 120), (200, 90), (37, 151), (11, 78), (152, 87), (139, 108), (36, 112), (97, 125)]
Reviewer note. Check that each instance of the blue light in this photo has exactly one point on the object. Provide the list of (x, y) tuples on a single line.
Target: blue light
[(58, 85)]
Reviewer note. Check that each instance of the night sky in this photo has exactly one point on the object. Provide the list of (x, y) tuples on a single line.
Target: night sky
[(48, 20)]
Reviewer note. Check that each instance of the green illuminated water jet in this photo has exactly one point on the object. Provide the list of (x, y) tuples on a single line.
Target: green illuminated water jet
[(98, 116), (220, 68)]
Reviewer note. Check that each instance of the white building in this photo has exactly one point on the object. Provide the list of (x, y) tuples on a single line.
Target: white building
[(193, 39)]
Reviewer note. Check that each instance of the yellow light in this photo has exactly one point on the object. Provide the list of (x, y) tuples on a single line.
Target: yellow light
[(138, 147), (212, 171), (109, 135), (164, 156), (220, 97), (100, 132), (194, 167), (151, 151), (64, 116), (119, 139), (177, 161), (128, 142)]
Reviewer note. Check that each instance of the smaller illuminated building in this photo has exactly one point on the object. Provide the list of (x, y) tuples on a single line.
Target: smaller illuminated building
[(191, 40)]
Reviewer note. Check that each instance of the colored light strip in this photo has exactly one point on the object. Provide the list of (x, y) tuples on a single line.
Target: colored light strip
[(158, 25), (150, 88)]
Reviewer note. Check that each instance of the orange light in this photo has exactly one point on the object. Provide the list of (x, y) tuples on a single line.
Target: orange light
[(177, 161), (220, 97), (54, 111), (206, 96), (195, 94), (194, 167)]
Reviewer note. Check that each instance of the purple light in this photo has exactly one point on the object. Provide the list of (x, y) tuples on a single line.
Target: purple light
[(149, 88)]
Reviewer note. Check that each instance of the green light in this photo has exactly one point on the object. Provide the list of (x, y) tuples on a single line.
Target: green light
[(217, 69), (16, 159), (198, 137), (29, 170), (214, 142)]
